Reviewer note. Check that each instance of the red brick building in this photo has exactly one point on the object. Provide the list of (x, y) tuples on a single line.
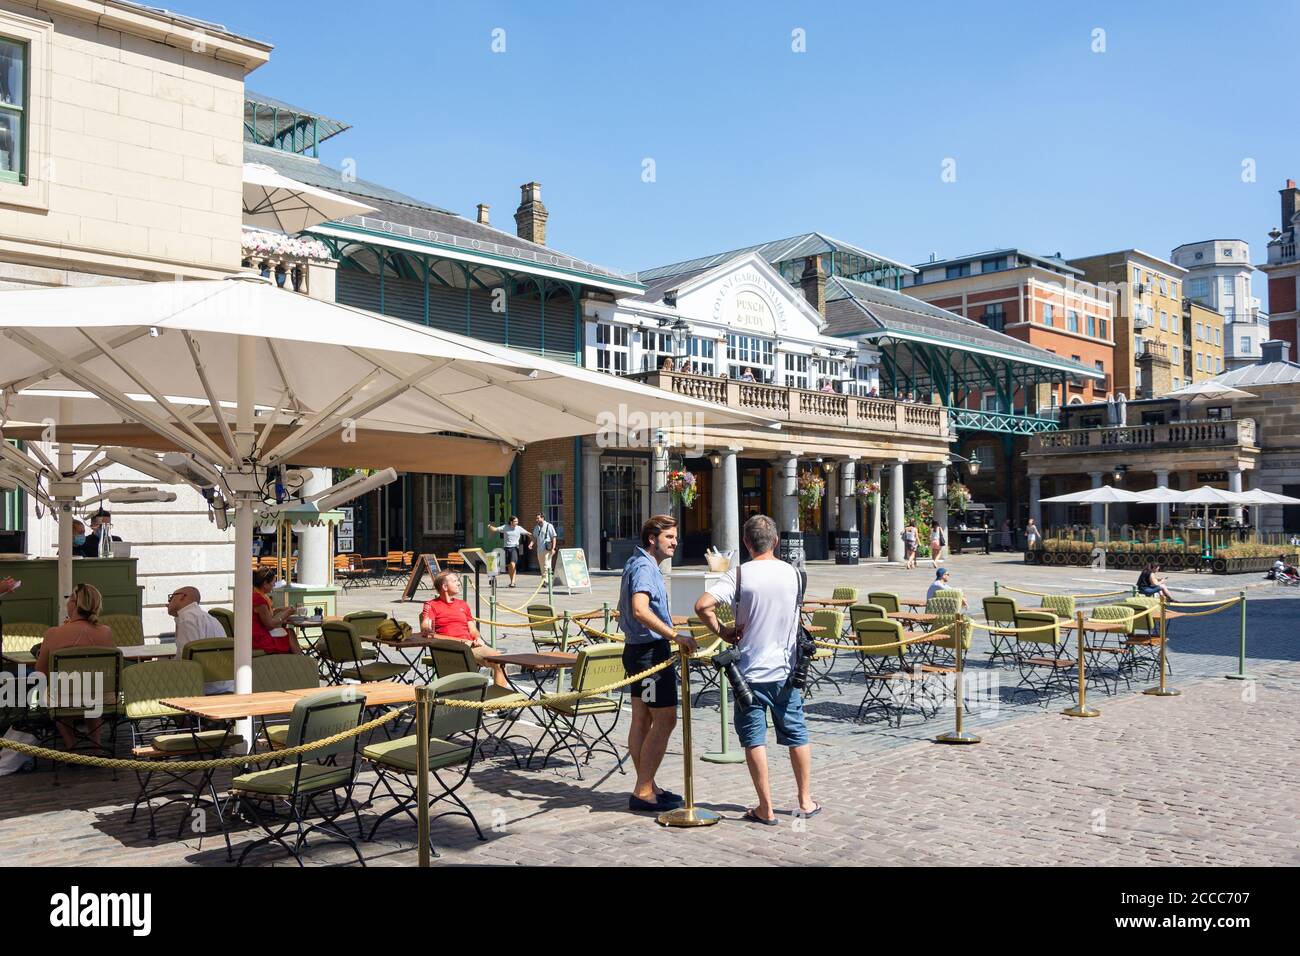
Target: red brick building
[(1283, 270)]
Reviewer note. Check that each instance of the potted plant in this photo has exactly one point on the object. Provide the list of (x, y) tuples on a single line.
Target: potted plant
[(958, 496), (865, 489), (810, 487)]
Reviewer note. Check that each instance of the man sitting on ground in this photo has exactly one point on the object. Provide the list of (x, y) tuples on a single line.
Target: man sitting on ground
[(448, 616), (195, 624)]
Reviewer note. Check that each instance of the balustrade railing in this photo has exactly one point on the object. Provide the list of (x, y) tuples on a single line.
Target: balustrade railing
[(1190, 434)]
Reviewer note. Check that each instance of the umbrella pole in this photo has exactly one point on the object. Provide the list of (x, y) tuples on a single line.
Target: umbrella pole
[(244, 506), (65, 533)]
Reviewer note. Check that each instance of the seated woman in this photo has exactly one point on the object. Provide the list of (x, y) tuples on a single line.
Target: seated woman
[(1151, 584), (269, 631), (81, 628)]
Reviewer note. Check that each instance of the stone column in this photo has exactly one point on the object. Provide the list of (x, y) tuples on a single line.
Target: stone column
[(1234, 484), (1098, 511), (941, 501), (831, 509), (661, 502), (847, 550), (1162, 509), (787, 489), (877, 473), (591, 503), (896, 495), (726, 504), (1035, 507), (314, 543)]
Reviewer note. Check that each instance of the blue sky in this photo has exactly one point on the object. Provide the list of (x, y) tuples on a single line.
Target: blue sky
[(1056, 147)]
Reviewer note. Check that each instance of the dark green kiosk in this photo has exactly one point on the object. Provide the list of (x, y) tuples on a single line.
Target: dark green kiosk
[(37, 601)]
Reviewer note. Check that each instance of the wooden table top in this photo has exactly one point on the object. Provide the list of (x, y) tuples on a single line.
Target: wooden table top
[(130, 653), (376, 693), (415, 640), (913, 617), (829, 602), (235, 706), (547, 660)]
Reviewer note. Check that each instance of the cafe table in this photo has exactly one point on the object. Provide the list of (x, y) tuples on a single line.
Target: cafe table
[(131, 654), (411, 650)]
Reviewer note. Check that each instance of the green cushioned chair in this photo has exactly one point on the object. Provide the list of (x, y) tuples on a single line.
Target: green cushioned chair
[(1062, 605), (550, 635), (280, 672), (844, 594), (947, 606), (1145, 639), (366, 624), (1110, 653), (865, 612), (886, 599), (828, 625), (1041, 655), (85, 685), (300, 786), (227, 619), (128, 630), (216, 655), (597, 666), (22, 636), (453, 744), (704, 675), (144, 687), (341, 650), (448, 656), (885, 670), (1000, 610)]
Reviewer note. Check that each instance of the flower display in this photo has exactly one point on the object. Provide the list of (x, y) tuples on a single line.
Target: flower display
[(958, 496), (865, 489), (681, 485), (258, 242), (811, 487)]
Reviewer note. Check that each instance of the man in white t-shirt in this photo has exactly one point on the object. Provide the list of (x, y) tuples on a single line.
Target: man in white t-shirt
[(511, 540), (195, 624), (766, 626)]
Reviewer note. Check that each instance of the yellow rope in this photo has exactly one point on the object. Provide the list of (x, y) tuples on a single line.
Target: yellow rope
[(923, 639), (188, 766), (1225, 602), (515, 610), (1183, 614), (1077, 597), (506, 703)]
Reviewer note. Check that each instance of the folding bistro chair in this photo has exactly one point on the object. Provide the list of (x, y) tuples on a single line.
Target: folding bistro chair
[(1145, 639), (886, 672), (348, 573), (447, 657), (1110, 653), (227, 619), (162, 734), (85, 683), (128, 630), (548, 635), (568, 720), (1000, 611), (865, 612), (299, 784), (24, 637), (366, 624), (281, 672), (946, 606), (704, 674), (886, 599), (1062, 605), (827, 625), (844, 594), (216, 655), (1041, 655), (453, 744), (342, 654)]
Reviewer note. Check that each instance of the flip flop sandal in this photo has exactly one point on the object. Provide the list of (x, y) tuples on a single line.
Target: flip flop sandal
[(750, 817), (796, 812)]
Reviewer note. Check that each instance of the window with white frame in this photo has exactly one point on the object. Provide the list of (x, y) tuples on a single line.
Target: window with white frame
[(796, 370), (750, 352), (1173, 321), (1218, 336), (1245, 345), (701, 354), (1071, 321), (1198, 288), (1218, 363), (1164, 320), (13, 110), (1047, 313), (553, 497), (438, 493), (611, 348), (1163, 289), (656, 345)]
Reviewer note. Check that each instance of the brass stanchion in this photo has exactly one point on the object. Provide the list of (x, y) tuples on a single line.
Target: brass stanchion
[(1081, 709), (1241, 654), (959, 736), (422, 695), (1162, 690), (689, 815)]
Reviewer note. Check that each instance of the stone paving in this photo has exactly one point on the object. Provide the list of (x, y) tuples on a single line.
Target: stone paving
[(1204, 778)]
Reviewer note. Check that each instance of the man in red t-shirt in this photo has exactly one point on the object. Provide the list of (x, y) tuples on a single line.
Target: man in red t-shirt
[(448, 616)]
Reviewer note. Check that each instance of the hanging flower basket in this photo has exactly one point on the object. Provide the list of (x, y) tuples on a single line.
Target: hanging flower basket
[(681, 485), (811, 487), (865, 489), (958, 496)]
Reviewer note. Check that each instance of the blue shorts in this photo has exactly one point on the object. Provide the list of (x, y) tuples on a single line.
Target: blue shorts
[(786, 704), (1150, 590)]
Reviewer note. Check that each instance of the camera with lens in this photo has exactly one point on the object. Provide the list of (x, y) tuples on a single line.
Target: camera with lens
[(805, 649), (728, 662)]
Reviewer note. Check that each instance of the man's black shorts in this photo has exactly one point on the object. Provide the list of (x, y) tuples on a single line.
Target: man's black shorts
[(657, 690), (512, 556)]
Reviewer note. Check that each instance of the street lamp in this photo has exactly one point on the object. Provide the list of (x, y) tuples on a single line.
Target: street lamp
[(973, 463), (1119, 473)]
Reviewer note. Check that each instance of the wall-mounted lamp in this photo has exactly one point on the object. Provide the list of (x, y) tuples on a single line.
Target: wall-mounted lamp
[(1119, 473)]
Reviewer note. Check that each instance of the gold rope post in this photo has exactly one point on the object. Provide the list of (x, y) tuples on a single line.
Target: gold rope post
[(422, 695), (689, 815), (1081, 709), (1161, 690), (959, 736)]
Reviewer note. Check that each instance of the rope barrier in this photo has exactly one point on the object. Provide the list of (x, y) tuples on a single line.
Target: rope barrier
[(1185, 614), (923, 639), (189, 766), (1225, 602), (515, 610), (508, 704), (1077, 597), (531, 622)]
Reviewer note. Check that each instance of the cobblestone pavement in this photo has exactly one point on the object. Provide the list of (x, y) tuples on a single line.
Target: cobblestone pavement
[(1204, 778)]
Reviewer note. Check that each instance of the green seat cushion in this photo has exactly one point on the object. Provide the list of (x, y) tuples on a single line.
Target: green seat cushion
[(277, 734), (590, 705), (554, 639), (378, 671), (400, 754), (501, 693), (186, 742), (278, 781)]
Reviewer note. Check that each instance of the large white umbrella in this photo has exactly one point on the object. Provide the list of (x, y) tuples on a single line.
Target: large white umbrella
[(1208, 390), (148, 352), (274, 201), (1105, 496), (1258, 497), (1161, 495), (1205, 495)]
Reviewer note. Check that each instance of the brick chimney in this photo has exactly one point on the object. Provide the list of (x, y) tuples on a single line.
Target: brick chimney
[(1274, 350), (531, 216), (1290, 204), (813, 283), (483, 214), (1155, 372)]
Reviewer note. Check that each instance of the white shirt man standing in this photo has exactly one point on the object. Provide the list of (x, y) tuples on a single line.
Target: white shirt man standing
[(195, 624), (544, 539), (767, 622)]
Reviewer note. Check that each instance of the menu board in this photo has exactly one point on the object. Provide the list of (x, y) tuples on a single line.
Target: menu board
[(573, 572)]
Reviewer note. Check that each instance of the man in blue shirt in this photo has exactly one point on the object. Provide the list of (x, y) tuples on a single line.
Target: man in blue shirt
[(647, 626)]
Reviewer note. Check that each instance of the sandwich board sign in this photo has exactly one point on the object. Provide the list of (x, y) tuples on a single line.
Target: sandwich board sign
[(573, 572), (424, 564)]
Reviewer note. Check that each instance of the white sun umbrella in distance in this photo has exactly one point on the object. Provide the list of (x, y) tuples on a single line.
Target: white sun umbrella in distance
[(1158, 496), (241, 343), (274, 201), (1205, 495), (1105, 496), (1208, 390), (1258, 497)]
